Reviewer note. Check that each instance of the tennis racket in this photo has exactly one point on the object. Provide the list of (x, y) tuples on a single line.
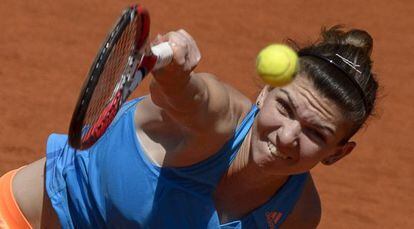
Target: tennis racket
[(121, 64)]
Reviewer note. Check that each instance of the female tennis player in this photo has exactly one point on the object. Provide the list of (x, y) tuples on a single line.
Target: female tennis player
[(196, 153)]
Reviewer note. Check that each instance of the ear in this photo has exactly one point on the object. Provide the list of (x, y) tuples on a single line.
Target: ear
[(340, 153), (263, 93)]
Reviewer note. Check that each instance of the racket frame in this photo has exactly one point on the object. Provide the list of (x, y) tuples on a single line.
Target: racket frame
[(76, 138)]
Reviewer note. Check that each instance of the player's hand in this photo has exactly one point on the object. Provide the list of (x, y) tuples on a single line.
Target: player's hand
[(186, 55)]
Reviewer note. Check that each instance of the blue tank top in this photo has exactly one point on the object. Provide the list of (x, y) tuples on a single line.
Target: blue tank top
[(114, 185)]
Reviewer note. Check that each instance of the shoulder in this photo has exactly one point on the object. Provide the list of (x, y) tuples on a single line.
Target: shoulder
[(224, 94), (219, 111), (224, 108), (307, 212)]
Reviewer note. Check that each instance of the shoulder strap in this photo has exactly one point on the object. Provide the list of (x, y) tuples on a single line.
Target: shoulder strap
[(210, 171)]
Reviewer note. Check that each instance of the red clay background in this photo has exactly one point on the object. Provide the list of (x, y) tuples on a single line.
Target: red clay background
[(46, 49)]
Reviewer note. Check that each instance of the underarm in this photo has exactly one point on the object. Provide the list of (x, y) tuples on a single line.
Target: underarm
[(201, 103), (30, 194)]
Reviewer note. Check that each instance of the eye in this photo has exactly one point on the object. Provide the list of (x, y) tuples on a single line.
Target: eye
[(284, 108), (316, 135)]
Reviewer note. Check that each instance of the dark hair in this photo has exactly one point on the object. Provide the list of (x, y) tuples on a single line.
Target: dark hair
[(339, 64)]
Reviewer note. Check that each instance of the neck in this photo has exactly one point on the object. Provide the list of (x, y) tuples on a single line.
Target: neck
[(246, 186), (245, 169)]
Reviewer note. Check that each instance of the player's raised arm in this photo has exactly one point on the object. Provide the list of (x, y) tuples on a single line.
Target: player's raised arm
[(196, 100)]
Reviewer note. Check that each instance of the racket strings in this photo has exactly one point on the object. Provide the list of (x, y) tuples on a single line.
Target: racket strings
[(110, 81)]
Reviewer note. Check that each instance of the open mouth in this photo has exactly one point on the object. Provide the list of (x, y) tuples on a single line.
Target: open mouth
[(273, 150)]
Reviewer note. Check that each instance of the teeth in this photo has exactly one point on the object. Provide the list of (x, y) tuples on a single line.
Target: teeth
[(274, 151), (272, 148)]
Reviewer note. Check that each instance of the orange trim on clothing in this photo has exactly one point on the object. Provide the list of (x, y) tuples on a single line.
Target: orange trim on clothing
[(10, 214)]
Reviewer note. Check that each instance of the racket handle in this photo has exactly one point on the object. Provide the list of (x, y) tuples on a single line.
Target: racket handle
[(164, 54)]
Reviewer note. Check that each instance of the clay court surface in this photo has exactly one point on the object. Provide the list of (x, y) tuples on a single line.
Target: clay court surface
[(46, 49)]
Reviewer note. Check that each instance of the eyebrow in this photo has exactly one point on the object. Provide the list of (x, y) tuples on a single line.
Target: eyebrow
[(320, 126)]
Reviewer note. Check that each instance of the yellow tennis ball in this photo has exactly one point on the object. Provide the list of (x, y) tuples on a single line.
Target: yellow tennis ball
[(277, 64)]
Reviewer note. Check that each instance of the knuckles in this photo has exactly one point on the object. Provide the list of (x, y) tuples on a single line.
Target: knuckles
[(186, 52)]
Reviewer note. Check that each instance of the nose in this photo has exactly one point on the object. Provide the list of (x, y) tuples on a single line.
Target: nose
[(289, 133)]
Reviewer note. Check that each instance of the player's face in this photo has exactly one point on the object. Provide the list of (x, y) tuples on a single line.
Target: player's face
[(297, 128)]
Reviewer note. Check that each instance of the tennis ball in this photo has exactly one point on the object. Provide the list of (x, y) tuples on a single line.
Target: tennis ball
[(277, 64)]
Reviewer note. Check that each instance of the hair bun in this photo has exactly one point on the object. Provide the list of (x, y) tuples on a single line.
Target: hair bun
[(355, 37), (360, 39)]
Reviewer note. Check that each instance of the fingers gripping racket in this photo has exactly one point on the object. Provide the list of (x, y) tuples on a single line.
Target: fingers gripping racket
[(121, 64)]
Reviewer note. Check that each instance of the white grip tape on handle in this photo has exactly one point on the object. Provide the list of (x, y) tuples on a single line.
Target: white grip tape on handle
[(164, 53)]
